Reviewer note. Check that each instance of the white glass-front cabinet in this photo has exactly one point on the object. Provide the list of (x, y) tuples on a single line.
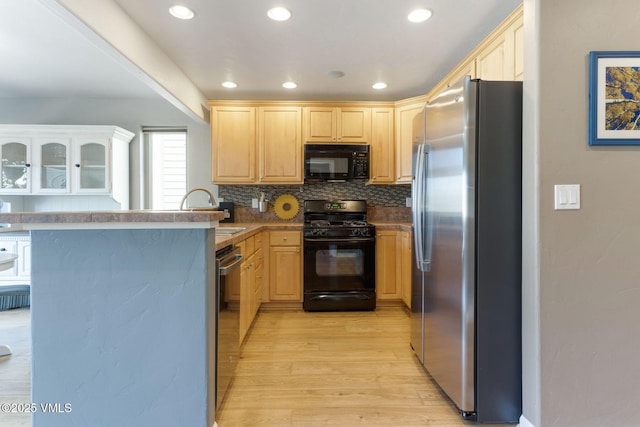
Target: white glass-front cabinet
[(91, 166), (15, 165), (59, 159), (51, 165)]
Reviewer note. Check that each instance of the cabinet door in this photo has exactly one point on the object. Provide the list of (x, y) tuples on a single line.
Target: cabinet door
[(15, 167), (92, 165), (280, 145), (52, 159), (492, 62), (354, 125), (233, 139), (382, 146), (404, 141), (9, 245), (258, 278), (405, 267), (320, 124), (386, 265), (466, 69), (517, 30), (232, 290), (285, 273), (246, 296)]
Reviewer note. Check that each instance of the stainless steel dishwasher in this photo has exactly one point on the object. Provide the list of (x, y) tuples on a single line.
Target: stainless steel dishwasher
[(228, 260)]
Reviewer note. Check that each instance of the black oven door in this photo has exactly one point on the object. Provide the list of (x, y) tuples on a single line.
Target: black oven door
[(339, 274)]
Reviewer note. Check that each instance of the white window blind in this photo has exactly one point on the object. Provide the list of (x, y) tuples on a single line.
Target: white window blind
[(166, 166)]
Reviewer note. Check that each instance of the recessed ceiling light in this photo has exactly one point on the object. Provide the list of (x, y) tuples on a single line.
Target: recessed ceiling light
[(419, 15), (181, 12), (379, 85), (279, 14), (229, 85), (289, 85)]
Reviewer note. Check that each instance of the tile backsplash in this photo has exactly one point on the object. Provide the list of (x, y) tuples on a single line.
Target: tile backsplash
[(385, 203)]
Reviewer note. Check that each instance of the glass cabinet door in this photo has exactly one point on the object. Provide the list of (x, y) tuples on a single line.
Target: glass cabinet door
[(53, 166), (15, 166), (92, 165)]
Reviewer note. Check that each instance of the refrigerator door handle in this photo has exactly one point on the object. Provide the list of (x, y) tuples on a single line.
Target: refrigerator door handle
[(422, 229)]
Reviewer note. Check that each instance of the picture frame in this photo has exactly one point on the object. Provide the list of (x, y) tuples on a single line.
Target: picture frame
[(614, 98)]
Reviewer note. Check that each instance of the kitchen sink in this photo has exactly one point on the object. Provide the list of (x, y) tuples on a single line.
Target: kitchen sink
[(229, 230)]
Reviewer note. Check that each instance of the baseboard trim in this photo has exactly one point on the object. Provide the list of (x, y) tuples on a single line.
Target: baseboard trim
[(525, 422)]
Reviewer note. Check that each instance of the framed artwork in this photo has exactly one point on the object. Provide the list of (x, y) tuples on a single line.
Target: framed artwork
[(614, 98)]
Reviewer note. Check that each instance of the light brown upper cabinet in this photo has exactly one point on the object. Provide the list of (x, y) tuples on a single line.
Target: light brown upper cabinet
[(517, 31), (404, 139), (233, 145), (492, 62), (280, 144), (382, 148), (337, 124), (501, 57)]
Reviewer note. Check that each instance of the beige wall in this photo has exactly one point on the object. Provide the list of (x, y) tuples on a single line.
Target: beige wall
[(581, 268)]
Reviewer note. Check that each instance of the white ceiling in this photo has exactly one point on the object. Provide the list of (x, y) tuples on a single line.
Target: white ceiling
[(43, 57), (368, 40)]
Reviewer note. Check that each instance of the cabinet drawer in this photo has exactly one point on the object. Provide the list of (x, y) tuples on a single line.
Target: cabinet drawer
[(284, 238)]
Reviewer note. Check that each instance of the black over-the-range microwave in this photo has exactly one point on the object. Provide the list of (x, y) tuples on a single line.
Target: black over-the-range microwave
[(336, 162)]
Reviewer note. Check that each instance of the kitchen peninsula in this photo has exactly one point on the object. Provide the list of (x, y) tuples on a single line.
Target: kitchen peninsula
[(122, 329)]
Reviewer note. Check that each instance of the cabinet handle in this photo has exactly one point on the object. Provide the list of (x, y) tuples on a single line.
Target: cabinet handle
[(284, 238), (3, 249), (28, 165), (77, 165)]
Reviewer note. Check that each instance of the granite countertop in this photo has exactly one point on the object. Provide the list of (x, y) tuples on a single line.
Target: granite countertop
[(140, 219), (111, 219)]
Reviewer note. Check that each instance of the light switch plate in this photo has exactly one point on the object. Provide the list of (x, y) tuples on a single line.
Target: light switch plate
[(407, 202), (254, 203), (567, 197)]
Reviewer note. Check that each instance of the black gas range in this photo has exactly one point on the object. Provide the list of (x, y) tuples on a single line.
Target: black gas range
[(339, 256)]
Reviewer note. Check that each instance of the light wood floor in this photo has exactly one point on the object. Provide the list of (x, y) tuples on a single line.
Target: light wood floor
[(297, 369), (333, 369)]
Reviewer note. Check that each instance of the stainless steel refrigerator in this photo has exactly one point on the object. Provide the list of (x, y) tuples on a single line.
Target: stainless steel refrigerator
[(466, 281)]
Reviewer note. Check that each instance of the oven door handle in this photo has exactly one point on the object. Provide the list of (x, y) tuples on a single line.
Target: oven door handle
[(229, 264), (330, 240)]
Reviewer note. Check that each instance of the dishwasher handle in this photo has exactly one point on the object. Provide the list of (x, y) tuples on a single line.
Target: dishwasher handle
[(230, 263)]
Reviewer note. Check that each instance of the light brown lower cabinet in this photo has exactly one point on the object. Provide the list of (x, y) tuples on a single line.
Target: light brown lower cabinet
[(247, 294), (405, 267), (387, 250), (285, 266), (393, 265), (246, 277)]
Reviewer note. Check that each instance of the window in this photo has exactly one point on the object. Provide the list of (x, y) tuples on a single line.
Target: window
[(164, 171)]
